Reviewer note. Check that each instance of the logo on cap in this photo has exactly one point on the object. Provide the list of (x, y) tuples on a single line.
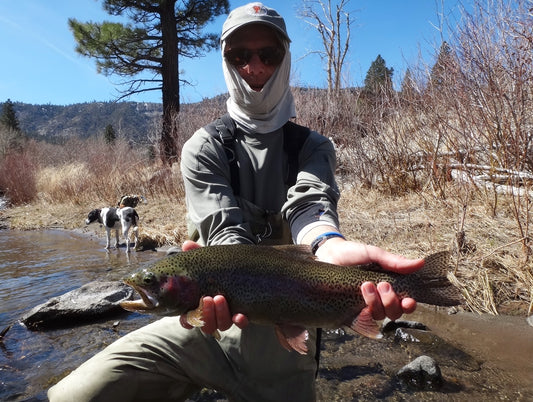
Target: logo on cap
[(257, 9)]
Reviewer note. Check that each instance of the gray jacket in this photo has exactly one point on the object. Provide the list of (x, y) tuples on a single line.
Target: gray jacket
[(266, 210)]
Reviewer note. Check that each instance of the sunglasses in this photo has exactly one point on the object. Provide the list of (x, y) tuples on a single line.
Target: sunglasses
[(269, 56)]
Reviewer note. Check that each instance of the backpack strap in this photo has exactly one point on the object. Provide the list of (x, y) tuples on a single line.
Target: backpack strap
[(294, 137), (223, 129)]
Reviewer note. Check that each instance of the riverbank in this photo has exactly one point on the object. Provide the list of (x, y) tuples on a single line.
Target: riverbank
[(161, 222), (490, 267)]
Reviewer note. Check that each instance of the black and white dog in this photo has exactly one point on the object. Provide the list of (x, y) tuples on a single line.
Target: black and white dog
[(116, 219)]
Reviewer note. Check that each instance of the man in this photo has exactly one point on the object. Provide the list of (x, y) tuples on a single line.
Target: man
[(167, 360)]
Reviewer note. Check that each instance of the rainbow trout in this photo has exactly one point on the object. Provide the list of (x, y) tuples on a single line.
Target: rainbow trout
[(282, 286)]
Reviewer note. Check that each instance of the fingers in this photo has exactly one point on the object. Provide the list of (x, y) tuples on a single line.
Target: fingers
[(373, 300), (223, 315), (189, 245), (391, 303), (408, 305), (384, 302), (394, 262), (240, 320), (216, 315)]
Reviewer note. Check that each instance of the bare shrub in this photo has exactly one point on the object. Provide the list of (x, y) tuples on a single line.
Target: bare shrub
[(17, 178), (64, 183), (10, 140), (483, 112), (91, 170)]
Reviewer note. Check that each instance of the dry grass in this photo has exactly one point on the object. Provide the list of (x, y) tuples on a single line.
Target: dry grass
[(490, 268)]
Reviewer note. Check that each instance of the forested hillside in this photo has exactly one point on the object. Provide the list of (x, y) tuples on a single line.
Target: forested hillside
[(131, 120), (55, 123)]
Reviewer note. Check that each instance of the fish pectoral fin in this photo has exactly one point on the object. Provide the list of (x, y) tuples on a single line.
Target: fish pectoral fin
[(195, 317), (293, 337), (365, 325)]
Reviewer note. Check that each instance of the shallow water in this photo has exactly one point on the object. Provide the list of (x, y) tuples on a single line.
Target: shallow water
[(495, 354), (38, 265)]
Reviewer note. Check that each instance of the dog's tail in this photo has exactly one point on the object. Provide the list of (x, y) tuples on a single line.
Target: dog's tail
[(130, 200)]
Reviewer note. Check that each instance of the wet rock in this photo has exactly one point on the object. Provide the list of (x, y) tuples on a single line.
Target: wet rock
[(401, 335), (423, 373), (90, 302), (389, 325)]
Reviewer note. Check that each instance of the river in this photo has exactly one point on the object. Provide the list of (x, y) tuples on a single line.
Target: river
[(38, 265), (495, 354)]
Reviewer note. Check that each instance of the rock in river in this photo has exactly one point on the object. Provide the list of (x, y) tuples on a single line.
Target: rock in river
[(90, 302), (423, 373)]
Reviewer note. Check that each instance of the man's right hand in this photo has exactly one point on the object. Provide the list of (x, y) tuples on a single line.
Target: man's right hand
[(215, 312)]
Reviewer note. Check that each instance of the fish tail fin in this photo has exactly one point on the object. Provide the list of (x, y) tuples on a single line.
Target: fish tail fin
[(433, 286)]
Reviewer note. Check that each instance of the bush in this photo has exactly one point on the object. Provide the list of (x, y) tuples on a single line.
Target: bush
[(17, 178)]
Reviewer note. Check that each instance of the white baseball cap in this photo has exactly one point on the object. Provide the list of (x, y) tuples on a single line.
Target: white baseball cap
[(254, 13)]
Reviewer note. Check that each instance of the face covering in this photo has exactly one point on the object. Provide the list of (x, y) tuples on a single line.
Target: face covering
[(264, 111)]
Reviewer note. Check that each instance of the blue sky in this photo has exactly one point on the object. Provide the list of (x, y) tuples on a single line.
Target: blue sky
[(40, 66)]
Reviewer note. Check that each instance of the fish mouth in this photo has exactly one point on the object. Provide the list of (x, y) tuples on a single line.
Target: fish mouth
[(145, 303)]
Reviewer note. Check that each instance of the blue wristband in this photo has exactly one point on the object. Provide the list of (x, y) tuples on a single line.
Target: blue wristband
[(323, 237)]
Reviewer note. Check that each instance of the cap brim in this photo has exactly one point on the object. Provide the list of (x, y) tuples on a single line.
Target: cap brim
[(231, 30)]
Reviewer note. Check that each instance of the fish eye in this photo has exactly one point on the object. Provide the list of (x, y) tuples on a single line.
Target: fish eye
[(149, 278)]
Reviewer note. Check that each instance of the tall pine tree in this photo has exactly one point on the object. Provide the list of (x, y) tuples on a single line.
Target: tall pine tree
[(11, 136), (444, 68), (109, 134), (378, 77), (8, 118), (160, 32)]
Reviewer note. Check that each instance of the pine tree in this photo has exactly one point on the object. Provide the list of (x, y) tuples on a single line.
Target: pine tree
[(9, 116), (409, 89), (378, 76), (11, 137), (109, 134), (160, 32), (444, 68)]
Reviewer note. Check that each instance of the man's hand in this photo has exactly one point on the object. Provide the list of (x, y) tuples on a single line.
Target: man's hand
[(381, 299), (216, 314)]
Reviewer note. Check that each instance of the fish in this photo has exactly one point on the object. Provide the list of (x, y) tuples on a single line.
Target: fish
[(281, 286)]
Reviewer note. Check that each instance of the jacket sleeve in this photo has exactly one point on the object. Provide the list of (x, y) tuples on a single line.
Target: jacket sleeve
[(313, 199), (211, 205)]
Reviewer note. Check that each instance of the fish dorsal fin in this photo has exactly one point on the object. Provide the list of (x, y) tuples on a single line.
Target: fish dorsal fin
[(365, 325), (298, 251), (293, 337)]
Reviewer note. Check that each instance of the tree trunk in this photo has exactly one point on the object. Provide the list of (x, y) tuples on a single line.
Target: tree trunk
[(170, 76)]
